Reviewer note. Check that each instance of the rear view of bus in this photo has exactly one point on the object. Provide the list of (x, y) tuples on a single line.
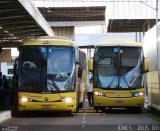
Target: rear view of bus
[(118, 69), (47, 77)]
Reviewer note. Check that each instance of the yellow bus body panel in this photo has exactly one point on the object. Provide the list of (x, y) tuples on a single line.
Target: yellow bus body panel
[(118, 42), (118, 98), (47, 40), (47, 102)]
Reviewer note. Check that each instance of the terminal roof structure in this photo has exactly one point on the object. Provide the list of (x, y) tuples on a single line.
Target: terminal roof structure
[(74, 13), (20, 19)]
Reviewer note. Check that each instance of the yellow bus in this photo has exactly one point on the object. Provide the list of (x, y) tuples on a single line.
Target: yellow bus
[(49, 76), (118, 68)]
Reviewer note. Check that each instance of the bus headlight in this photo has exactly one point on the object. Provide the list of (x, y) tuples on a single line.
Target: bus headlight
[(24, 99), (99, 93), (138, 94), (67, 99)]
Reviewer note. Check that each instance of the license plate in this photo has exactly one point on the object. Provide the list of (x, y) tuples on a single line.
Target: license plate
[(119, 101), (46, 106)]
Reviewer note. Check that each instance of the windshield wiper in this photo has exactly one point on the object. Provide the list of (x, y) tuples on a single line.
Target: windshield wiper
[(69, 80), (137, 72), (55, 85), (134, 78), (50, 76)]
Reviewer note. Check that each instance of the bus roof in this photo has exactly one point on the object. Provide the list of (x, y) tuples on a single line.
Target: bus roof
[(119, 42), (49, 40)]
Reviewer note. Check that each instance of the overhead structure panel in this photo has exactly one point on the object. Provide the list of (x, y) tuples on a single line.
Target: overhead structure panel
[(130, 25), (20, 19), (68, 3), (74, 13), (67, 32)]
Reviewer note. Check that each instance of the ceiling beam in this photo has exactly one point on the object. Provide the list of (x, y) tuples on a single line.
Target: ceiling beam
[(16, 22), (5, 1), (12, 17), (8, 10)]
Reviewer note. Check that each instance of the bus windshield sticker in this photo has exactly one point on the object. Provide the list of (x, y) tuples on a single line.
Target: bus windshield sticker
[(50, 50), (115, 50)]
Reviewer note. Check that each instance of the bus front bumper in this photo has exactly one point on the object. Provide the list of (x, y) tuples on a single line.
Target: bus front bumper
[(43, 106), (118, 102)]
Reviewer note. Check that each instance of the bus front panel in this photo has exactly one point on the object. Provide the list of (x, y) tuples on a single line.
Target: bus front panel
[(118, 98), (47, 102), (47, 78), (118, 76)]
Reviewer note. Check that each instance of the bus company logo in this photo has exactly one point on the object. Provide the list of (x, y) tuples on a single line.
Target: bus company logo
[(46, 99)]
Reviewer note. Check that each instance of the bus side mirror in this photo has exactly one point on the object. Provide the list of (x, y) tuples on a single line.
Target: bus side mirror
[(80, 70), (90, 64), (146, 65)]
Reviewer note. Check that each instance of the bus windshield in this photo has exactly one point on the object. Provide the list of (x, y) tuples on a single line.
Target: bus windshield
[(46, 69), (118, 67)]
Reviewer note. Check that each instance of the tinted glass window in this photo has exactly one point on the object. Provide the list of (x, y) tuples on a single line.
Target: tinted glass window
[(118, 67)]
